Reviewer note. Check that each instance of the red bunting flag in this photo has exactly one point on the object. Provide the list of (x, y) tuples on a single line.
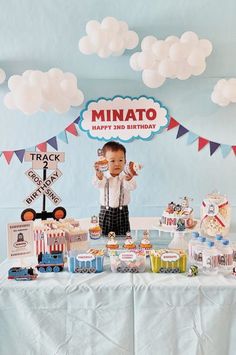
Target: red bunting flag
[(173, 124), (72, 129), (42, 147), (234, 149), (8, 155), (201, 143)]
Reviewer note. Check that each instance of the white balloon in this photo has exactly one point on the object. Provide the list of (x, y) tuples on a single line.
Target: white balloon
[(123, 26), (56, 74), (160, 49), (171, 39), (14, 81), (117, 44), (2, 76), (152, 78), (178, 51), (198, 70), (92, 26), (232, 81), (69, 87), (98, 40), (196, 58), (131, 39), (9, 101), (70, 76), (77, 99), (229, 91), (184, 71), (62, 105), (147, 43), (111, 24), (118, 53), (37, 78), (167, 68), (205, 46), (189, 37), (85, 46), (220, 84), (26, 74), (146, 60), (28, 99), (134, 61), (104, 52)]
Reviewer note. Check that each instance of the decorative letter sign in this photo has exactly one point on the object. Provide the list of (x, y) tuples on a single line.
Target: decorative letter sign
[(124, 118)]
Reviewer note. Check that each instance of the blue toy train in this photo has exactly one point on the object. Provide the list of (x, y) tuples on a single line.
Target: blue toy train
[(50, 262), (22, 274)]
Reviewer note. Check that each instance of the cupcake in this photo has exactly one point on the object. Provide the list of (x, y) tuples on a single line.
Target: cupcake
[(95, 230), (129, 244), (132, 168), (102, 162), (145, 242), (112, 244)]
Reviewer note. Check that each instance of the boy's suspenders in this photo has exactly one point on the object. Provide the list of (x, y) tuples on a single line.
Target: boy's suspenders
[(106, 194)]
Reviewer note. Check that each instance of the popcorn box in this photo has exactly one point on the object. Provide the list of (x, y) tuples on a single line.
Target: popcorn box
[(168, 260), (128, 261)]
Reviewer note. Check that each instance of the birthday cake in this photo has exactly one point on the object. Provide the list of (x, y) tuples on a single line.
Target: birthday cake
[(178, 216)]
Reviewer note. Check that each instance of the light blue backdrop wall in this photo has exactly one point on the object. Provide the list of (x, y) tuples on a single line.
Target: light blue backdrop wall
[(44, 34)]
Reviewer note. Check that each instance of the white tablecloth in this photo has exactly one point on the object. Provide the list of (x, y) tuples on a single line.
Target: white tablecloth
[(99, 314)]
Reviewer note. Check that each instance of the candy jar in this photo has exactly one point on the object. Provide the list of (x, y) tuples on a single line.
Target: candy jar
[(95, 230), (215, 215), (132, 168)]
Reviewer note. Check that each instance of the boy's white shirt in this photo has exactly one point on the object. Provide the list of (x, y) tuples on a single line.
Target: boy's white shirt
[(114, 188)]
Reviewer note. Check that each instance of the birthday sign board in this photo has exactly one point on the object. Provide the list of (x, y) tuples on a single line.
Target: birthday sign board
[(124, 118)]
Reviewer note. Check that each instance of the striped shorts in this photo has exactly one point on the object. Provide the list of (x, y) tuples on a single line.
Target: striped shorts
[(114, 220)]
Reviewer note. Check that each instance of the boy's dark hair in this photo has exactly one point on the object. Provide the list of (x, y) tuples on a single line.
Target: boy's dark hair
[(113, 146)]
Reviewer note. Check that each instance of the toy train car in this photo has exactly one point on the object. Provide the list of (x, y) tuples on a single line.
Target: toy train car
[(85, 263), (50, 262), (168, 261), (22, 274)]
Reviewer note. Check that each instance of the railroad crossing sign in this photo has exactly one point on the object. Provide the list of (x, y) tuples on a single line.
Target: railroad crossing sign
[(45, 161)]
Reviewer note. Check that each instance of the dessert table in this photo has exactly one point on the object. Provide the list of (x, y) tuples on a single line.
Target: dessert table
[(111, 313)]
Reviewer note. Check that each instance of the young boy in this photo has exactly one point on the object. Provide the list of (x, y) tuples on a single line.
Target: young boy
[(115, 187)]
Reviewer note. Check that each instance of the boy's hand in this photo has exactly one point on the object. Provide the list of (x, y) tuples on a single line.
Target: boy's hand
[(128, 177), (99, 174)]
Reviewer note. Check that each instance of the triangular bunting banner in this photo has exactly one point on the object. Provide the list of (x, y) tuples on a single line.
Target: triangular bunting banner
[(213, 147), (20, 154), (225, 149), (8, 155), (234, 149), (192, 137), (173, 124), (53, 143), (201, 143), (63, 137), (72, 129), (42, 147), (181, 131), (77, 120)]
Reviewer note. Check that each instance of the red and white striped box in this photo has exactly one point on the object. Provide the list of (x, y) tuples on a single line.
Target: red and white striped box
[(55, 240), (39, 238)]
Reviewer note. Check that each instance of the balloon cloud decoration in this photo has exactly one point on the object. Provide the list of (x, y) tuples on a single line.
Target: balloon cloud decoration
[(2, 76), (224, 92), (172, 58), (35, 91), (110, 37)]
